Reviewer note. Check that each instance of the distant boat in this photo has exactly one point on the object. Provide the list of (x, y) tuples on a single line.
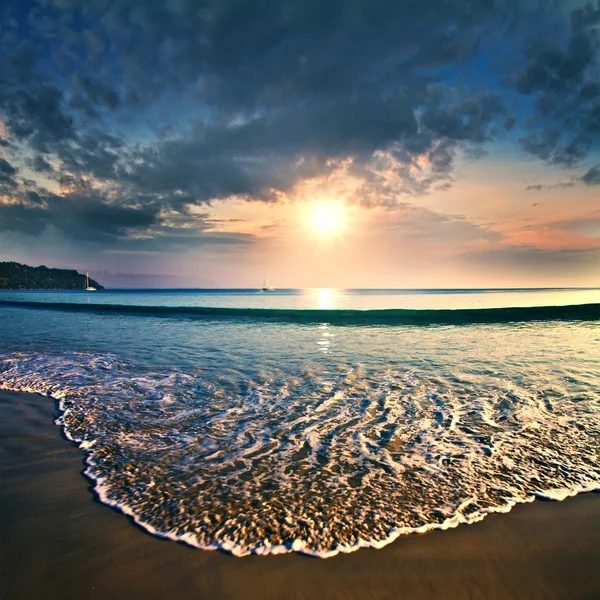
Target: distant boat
[(88, 287), (266, 287)]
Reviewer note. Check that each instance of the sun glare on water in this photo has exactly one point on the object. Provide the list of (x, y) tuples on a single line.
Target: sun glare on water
[(327, 219)]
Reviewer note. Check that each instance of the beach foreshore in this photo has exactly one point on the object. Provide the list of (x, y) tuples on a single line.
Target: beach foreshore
[(57, 541)]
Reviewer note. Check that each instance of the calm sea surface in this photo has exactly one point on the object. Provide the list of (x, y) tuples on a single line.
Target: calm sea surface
[(317, 421)]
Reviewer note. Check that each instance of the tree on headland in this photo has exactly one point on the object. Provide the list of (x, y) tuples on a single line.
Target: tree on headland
[(15, 276)]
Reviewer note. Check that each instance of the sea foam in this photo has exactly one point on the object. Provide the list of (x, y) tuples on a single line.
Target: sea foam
[(314, 461)]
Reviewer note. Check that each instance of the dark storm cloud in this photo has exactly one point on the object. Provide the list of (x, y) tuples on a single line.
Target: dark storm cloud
[(266, 153), (36, 115), (7, 173), (245, 52), (88, 216), (561, 77), (40, 164), (78, 215), (94, 153), (6, 169), (138, 109)]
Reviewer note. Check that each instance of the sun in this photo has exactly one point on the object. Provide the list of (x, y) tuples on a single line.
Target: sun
[(327, 219)]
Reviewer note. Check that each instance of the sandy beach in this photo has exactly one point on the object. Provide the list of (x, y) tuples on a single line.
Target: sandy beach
[(59, 542)]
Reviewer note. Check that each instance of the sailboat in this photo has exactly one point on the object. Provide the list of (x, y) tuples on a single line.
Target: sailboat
[(88, 287), (266, 287)]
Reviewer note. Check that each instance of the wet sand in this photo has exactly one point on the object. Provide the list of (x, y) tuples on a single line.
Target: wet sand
[(57, 541)]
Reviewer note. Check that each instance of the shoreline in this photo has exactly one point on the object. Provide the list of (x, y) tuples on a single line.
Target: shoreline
[(60, 542)]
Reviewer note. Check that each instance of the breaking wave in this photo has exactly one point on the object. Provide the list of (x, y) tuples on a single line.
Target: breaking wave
[(460, 316)]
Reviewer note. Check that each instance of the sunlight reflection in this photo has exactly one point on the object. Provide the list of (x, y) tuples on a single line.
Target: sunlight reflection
[(325, 298), (324, 343)]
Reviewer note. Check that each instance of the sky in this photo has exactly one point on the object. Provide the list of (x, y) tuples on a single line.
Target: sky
[(347, 143)]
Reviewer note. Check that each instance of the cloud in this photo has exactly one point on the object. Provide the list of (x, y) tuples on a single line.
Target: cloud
[(36, 115), (561, 78), (531, 261), (435, 230), (592, 177), (81, 216), (90, 217), (40, 164), (273, 153), (7, 173), (586, 226), (538, 187), (139, 110)]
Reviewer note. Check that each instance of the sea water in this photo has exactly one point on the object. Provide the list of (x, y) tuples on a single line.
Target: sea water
[(318, 421)]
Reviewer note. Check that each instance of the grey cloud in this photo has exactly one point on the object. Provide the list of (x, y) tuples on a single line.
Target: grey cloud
[(588, 226), (553, 186), (22, 218), (592, 177), (530, 260), (96, 92), (553, 71), (161, 242), (92, 153), (133, 224), (7, 173), (562, 80), (321, 47), (469, 120), (162, 105), (40, 164), (435, 228), (36, 114), (215, 161), (551, 146), (33, 197), (82, 215), (6, 168)]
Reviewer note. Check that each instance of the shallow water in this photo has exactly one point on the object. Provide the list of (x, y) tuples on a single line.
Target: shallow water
[(257, 435)]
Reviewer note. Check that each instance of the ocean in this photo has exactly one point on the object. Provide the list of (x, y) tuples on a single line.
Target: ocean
[(315, 421)]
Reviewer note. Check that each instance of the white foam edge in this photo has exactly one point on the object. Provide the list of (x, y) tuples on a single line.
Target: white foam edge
[(299, 546)]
